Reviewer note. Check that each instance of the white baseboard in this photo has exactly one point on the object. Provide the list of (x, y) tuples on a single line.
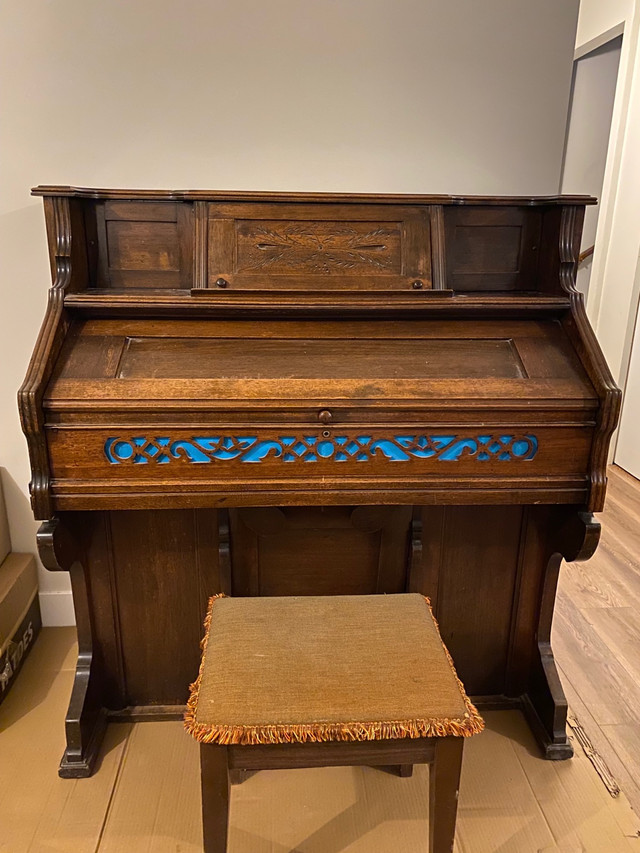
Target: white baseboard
[(57, 609)]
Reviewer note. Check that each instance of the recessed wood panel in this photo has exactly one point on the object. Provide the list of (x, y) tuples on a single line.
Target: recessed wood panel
[(318, 248), (477, 574), (163, 566), (144, 245), (286, 355), (319, 550), (280, 358), (306, 247), (492, 248)]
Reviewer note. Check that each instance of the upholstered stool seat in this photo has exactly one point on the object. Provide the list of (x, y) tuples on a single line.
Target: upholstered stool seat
[(306, 681)]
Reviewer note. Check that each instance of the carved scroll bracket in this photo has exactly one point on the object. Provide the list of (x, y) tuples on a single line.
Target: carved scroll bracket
[(579, 537), (57, 547)]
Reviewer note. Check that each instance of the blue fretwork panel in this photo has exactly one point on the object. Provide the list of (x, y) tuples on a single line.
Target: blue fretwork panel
[(141, 450)]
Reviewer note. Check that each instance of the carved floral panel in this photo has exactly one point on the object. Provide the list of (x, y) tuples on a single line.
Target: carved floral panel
[(318, 247)]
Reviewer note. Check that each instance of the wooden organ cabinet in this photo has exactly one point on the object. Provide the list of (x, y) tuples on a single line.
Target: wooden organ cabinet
[(270, 394)]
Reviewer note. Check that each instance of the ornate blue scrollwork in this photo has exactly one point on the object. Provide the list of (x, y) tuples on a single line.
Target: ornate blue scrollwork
[(141, 450)]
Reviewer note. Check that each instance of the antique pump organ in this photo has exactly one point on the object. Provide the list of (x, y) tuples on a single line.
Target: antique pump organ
[(269, 394)]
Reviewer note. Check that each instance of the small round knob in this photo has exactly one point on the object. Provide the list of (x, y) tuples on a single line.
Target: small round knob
[(222, 282), (417, 285), (325, 416)]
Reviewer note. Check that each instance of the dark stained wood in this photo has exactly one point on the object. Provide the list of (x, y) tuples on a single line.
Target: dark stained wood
[(68, 265), (143, 245), (215, 787), (530, 374), (306, 358), (438, 261), (478, 550), (333, 247), (460, 319), (258, 304), (323, 198), (444, 786), (183, 569), (444, 755), (334, 551), (200, 243), (331, 753), (60, 549), (491, 248)]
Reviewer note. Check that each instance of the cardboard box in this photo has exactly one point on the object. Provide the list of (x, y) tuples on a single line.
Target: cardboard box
[(5, 541), (20, 619)]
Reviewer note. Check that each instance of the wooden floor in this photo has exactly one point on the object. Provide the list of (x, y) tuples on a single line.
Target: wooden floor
[(145, 796), (596, 636)]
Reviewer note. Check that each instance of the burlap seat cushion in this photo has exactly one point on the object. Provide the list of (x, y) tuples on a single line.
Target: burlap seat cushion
[(296, 669)]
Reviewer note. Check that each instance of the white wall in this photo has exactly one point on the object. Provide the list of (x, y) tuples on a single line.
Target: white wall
[(592, 98), (450, 96), (597, 17), (614, 284), (628, 447)]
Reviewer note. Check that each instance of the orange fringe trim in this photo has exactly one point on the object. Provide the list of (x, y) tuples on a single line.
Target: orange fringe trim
[(225, 735)]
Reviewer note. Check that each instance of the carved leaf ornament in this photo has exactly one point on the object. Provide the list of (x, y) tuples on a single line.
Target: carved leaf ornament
[(319, 251)]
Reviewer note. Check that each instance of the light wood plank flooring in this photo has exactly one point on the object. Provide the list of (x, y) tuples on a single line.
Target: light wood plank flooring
[(596, 636)]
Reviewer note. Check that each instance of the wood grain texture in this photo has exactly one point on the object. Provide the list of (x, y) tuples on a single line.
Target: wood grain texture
[(358, 198), (291, 551), (493, 249), (583, 338), (302, 247), (329, 335)]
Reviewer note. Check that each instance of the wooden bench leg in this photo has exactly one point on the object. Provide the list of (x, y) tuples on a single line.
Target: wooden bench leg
[(444, 784), (214, 776)]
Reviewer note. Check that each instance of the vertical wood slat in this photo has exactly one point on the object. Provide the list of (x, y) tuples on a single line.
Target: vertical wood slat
[(416, 257), (533, 556), (186, 244), (438, 256), (115, 608), (225, 579), (103, 250), (394, 547), (209, 557), (222, 248), (428, 529), (200, 244)]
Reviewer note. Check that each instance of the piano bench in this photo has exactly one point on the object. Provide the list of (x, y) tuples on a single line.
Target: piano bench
[(314, 681)]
